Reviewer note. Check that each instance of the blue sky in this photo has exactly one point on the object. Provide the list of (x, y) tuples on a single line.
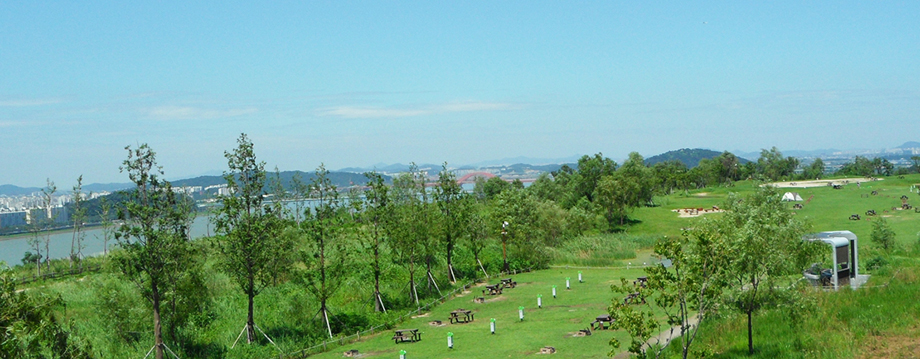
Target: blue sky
[(359, 83)]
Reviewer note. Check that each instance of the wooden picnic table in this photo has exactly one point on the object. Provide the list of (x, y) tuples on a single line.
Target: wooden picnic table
[(493, 289), (601, 321), (460, 316), (508, 283), (641, 281), (406, 335)]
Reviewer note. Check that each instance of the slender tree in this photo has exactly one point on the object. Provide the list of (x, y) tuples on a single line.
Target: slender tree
[(451, 201), (377, 212), (406, 230), (47, 219), (154, 237), (105, 218), (758, 241), (78, 217), (327, 258), (249, 228)]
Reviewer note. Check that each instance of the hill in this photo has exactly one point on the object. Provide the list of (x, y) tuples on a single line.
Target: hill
[(690, 157), (339, 179)]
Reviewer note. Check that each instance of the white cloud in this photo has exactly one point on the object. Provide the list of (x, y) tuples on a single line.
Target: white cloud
[(196, 113), (29, 102), (381, 112), (371, 112)]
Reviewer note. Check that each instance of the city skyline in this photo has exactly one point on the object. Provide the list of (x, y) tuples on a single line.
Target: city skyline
[(354, 84)]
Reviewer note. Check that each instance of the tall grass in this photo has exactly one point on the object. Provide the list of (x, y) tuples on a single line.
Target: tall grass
[(601, 249)]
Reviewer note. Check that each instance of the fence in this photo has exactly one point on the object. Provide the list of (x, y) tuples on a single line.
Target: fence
[(75, 271), (338, 342)]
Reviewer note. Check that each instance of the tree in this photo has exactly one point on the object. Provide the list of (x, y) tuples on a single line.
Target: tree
[(477, 234), (78, 217), (591, 170), (326, 259), (47, 219), (758, 241), (687, 290), (815, 170), (451, 201), (407, 230), (249, 228), (154, 237), (377, 212), (514, 217), (105, 217), (773, 166), (882, 234)]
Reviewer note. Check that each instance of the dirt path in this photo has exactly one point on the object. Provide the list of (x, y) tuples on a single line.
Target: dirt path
[(663, 338)]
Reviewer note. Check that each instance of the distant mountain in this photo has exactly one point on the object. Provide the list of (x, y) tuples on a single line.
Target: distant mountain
[(11, 190), (394, 168), (528, 160), (107, 187), (339, 179), (690, 157), (910, 145)]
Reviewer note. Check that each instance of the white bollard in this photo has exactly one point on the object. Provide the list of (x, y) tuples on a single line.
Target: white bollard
[(521, 313), (554, 291), (567, 283), (402, 354), (580, 276), (492, 326), (450, 340), (538, 301)]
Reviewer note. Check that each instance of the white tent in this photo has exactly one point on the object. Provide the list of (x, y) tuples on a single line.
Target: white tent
[(791, 196)]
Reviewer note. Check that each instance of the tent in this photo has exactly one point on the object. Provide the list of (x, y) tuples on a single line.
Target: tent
[(791, 196)]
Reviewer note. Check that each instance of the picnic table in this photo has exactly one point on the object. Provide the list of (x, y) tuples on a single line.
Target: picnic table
[(460, 316), (508, 283), (493, 289), (600, 321), (641, 281), (406, 335)]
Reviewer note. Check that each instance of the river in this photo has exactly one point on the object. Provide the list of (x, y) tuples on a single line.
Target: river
[(13, 247)]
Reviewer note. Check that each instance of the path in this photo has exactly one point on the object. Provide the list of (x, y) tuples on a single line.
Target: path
[(663, 338)]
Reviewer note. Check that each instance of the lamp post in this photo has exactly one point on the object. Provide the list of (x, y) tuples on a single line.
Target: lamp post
[(504, 240)]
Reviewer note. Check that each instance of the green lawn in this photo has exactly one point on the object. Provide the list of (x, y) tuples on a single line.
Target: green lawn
[(554, 325)]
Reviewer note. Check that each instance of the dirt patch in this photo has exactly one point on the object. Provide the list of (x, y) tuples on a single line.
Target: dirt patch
[(890, 346), (702, 194), (497, 298), (696, 212), (420, 315), (821, 183)]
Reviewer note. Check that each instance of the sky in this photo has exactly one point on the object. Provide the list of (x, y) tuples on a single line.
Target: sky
[(360, 83)]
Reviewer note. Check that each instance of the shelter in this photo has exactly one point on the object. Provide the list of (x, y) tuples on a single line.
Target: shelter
[(791, 196), (844, 258)]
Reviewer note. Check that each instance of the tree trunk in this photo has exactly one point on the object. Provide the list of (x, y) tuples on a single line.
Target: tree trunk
[(250, 323), (504, 259), (412, 284), (450, 266), (158, 332), (378, 306), (751, 348)]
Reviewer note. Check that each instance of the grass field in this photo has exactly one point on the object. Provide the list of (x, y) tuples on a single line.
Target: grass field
[(874, 322), (553, 325)]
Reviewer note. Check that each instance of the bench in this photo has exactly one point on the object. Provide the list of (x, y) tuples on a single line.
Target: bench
[(601, 322), (632, 297), (493, 289), (508, 283), (460, 316), (406, 335)]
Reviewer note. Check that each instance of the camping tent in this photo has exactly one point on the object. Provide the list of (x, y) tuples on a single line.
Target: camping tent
[(791, 196)]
